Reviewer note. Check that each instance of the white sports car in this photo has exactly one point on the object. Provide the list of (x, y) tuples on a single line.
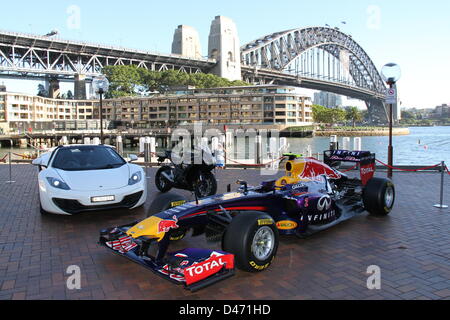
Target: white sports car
[(78, 178)]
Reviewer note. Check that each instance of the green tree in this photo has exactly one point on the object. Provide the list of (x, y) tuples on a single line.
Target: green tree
[(320, 114), (131, 80), (124, 80), (408, 115), (326, 115), (337, 115), (354, 115)]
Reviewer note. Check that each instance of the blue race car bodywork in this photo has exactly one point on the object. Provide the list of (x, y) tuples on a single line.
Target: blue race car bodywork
[(311, 197)]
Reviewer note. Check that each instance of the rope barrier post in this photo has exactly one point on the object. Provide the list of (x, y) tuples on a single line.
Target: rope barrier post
[(119, 145), (153, 148), (147, 154), (334, 144), (258, 149), (10, 170), (441, 204)]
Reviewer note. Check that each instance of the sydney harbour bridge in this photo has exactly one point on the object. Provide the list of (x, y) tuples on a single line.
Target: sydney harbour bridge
[(320, 58)]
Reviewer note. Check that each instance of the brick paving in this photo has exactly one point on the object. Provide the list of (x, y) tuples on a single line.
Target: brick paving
[(411, 246)]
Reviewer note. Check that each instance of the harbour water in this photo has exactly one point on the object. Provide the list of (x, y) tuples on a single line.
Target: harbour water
[(423, 146)]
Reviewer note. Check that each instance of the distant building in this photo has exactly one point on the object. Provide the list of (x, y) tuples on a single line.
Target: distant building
[(259, 105), (442, 111), (327, 99)]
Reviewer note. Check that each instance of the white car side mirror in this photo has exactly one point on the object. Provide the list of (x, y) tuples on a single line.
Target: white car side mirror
[(37, 162), (133, 158), (42, 161)]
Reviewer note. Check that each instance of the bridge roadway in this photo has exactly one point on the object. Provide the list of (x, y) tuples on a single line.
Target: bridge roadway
[(310, 83), (38, 56)]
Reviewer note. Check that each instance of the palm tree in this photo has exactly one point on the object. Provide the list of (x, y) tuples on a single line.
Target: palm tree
[(353, 114)]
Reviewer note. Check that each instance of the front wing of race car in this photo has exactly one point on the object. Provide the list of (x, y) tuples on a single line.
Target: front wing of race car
[(193, 268)]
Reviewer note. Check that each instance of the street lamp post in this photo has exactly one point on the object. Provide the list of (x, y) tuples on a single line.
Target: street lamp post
[(391, 74), (101, 86)]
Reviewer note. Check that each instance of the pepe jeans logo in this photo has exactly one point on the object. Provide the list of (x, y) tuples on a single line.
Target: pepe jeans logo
[(324, 203)]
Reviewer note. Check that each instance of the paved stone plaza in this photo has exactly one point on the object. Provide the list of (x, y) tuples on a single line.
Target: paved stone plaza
[(411, 246)]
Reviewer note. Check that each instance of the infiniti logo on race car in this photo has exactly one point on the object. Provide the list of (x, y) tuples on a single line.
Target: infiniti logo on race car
[(324, 203)]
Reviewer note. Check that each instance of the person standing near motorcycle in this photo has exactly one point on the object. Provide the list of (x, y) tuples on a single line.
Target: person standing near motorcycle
[(220, 157)]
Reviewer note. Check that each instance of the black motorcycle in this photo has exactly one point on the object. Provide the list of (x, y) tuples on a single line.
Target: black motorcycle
[(192, 176)]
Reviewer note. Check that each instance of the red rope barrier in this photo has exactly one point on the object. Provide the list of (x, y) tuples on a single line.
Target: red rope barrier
[(254, 165), (23, 156), (243, 164), (448, 171), (408, 170)]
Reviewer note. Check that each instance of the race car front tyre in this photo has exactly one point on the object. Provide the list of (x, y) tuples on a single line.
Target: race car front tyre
[(379, 196), (164, 202), (253, 239)]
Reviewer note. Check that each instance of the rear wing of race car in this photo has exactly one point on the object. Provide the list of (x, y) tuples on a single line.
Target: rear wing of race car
[(365, 159)]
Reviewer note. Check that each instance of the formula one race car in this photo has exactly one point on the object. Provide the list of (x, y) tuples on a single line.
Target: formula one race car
[(311, 197)]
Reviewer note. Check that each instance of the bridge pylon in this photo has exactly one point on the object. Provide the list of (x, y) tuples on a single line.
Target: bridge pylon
[(80, 87), (225, 49)]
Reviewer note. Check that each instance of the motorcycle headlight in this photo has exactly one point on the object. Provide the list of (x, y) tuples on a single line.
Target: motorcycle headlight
[(57, 183), (135, 178)]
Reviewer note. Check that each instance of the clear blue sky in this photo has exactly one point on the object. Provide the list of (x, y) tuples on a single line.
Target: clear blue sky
[(414, 34)]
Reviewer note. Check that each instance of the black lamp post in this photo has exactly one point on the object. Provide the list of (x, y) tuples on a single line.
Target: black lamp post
[(101, 86), (391, 74)]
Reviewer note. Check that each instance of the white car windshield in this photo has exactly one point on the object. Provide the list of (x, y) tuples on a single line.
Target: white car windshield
[(81, 158)]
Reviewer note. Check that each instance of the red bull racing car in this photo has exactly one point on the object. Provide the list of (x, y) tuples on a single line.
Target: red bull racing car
[(311, 197)]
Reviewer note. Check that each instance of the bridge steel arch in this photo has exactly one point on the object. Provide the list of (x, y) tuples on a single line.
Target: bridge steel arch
[(268, 59)]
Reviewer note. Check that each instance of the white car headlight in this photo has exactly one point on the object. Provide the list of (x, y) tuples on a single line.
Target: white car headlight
[(135, 178), (58, 184)]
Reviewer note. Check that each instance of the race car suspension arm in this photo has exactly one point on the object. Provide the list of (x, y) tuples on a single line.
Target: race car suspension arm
[(222, 218)]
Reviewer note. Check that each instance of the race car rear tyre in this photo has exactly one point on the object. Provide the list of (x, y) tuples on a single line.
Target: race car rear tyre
[(162, 184), (253, 239), (379, 196), (164, 202)]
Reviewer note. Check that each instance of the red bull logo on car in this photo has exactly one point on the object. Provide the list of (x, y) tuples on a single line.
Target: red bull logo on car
[(166, 225), (306, 170), (153, 227), (313, 169)]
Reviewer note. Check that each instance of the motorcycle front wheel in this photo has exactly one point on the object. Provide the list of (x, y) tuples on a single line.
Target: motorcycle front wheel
[(163, 184), (205, 184)]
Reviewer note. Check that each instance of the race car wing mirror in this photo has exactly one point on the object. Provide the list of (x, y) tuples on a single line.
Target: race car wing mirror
[(244, 184)]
